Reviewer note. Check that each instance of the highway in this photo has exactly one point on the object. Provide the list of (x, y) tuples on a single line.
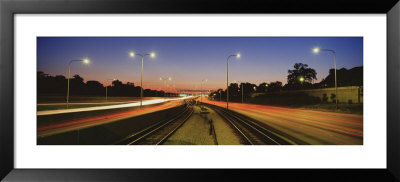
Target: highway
[(134, 104), (83, 103), (255, 124), (301, 126), (89, 119)]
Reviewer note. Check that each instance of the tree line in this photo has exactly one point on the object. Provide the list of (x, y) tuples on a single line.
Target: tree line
[(299, 78), (47, 84)]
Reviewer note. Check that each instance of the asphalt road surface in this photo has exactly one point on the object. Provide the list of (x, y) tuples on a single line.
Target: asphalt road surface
[(145, 102), (308, 126), (295, 126)]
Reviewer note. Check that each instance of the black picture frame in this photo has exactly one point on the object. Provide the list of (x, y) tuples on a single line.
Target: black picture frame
[(9, 8)]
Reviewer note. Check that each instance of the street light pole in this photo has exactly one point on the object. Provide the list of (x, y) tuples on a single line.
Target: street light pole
[(227, 78), (316, 50), (241, 88), (106, 88), (86, 61), (241, 84), (141, 84), (132, 54), (165, 84), (334, 55), (201, 90)]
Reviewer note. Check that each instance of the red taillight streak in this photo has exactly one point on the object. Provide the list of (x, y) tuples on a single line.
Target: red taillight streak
[(282, 113), (69, 123)]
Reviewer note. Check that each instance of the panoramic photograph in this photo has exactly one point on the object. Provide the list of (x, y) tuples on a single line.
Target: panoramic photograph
[(199, 91)]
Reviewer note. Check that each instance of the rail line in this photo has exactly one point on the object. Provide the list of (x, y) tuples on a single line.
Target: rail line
[(159, 132), (252, 131)]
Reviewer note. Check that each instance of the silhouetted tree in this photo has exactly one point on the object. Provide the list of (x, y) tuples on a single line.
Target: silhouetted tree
[(275, 86), (95, 88), (351, 77), (233, 90), (219, 94), (47, 84), (117, 83), (262, 87), (301, 76), (77, 86)]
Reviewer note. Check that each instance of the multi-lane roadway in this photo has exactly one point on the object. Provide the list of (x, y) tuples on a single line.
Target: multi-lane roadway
[(251, 124)]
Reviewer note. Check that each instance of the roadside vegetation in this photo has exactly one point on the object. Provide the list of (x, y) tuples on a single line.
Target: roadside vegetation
[(293, 94)]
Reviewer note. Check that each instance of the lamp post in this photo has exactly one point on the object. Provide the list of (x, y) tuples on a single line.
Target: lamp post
[(107, 86), (316, 50), (241, 88), (227, 77), (220, 95), (201, 90), (85, 61), (165, 82), (152, 55)]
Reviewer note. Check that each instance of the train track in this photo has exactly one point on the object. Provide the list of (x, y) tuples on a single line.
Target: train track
[(252, 131), (159, 132)]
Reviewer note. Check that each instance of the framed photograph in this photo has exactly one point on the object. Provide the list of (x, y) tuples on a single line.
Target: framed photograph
[(131, 90)]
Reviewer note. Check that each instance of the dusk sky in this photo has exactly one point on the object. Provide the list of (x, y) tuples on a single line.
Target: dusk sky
[(188, 60)]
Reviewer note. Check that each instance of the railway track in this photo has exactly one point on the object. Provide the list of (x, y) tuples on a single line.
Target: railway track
[(159, 132), (251, 131)]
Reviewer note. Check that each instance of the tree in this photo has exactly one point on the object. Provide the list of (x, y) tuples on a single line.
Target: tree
[(77, 79), (351, 77), (300, 76), (248, 88), (47, 84), (262, 87), (94, 87), (275, 86), (234, 90), (77, 86), (41, 75), (117, 83)]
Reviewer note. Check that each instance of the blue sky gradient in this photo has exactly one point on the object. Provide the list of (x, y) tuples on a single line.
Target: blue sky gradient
[(188, 60)]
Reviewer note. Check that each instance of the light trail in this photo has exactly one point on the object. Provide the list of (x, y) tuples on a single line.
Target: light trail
[(146, 102), (83, 103), (314, 127), (85, 122)]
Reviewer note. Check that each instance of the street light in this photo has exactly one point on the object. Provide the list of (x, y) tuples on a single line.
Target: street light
[(133, 54), (301, 79), (227, 77), (316, 50), (241, 87), (85, 61), (201, 90), (113, 79), (165, 82)]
